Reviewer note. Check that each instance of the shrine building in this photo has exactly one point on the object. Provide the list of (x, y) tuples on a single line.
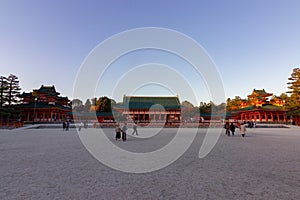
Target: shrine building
[(259, 108), (44, 105), (145, 109)]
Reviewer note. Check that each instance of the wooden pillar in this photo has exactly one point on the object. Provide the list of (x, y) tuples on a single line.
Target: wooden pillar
[(260, 117), (285, 119), (278, 117), (266, 117), (272, 117), (28, 116)]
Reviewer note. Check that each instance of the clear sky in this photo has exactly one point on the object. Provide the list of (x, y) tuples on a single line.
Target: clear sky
[(254, 43)]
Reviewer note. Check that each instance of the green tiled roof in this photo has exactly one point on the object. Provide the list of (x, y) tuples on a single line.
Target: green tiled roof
[(271, 107), (140, 102), (264, 107), (248, 108), (48, 89), (64, 98), (260, 91)]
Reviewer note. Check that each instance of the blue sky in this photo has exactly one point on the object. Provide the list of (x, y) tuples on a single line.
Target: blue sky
[(254, 44)]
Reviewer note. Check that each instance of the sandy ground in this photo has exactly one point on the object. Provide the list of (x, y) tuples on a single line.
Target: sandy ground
[(52, 164)]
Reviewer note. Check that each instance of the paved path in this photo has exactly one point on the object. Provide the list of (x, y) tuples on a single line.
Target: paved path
[(52, 164)]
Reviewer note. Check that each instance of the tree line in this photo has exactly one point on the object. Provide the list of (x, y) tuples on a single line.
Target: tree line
[(102, 104)]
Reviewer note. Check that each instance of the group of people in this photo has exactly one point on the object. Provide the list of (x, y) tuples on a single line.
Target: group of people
[(121, 132), (250, 124), (231, 128)]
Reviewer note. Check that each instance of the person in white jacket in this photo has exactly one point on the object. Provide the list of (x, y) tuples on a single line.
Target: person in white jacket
[(243, 129)]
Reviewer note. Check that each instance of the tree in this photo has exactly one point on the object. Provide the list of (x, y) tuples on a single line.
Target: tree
[(87, 105), (187, 104), (3, 95), (105, 104), (76, 103), (286, 100), (211, 107), (233, 104), (3, 90), (293, 103), (94, 100), (188, 111), (9, 96), (205, 108), (13, 91)]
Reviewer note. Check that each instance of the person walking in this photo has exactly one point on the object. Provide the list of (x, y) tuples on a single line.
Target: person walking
[(80, 126), (64, 125), (227, 128), (232, 128), (67, 125), (135, 129), (124, 129), (118, 132), (243, 129)]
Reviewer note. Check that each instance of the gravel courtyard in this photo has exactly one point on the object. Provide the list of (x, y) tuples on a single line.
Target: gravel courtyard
[(53, 164)]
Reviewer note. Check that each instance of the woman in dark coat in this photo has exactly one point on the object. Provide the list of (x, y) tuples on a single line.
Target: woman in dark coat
[(232, 128)]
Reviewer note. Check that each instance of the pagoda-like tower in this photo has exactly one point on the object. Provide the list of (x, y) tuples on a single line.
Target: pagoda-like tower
[(277, 101), (259, 97), (44, 105)]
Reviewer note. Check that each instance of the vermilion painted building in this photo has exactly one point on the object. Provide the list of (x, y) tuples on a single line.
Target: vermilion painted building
[(146, 109), (44, 105), (260, 109)]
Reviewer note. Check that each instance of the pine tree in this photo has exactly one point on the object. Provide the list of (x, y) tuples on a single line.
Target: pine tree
[(3, 98), (13, 91), (294, 90), (3, 90)]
